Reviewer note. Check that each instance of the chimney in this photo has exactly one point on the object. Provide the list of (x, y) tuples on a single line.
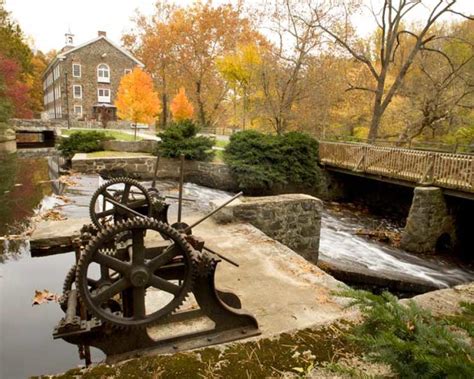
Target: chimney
[(101, 33)]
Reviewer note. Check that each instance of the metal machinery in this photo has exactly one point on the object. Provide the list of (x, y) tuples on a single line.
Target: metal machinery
[(130, 250)]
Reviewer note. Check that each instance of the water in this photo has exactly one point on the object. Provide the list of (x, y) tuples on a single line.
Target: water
[(340, 244), (27, 347)]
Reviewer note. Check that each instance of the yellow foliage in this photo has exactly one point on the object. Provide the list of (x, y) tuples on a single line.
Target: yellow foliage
[(136, 99), (181, 108)]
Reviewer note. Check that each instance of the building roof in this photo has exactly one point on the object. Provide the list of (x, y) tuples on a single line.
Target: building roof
[(63, 54)]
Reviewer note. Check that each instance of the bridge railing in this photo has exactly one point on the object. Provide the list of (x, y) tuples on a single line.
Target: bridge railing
[(455, 171)]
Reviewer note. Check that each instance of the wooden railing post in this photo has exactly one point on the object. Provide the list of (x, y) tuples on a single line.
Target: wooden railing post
[(360, 166), (427, 178)]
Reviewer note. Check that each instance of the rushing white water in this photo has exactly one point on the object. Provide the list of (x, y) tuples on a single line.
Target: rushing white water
[(339, 244)]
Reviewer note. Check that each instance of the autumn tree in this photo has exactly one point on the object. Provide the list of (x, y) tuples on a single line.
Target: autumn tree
[(136, 99), (391, 27), (240, 70), (181, 108), (12, 41), (439, 88), (184, 43), (15, 68), (14, 93)]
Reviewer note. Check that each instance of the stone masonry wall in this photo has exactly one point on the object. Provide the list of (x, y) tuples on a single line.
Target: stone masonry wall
[(292, 219), (144, 146), (208, 174)]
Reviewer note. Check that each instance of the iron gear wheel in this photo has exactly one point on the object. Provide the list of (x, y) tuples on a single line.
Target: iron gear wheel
[(204, 263), (122, 196), (138, 272)]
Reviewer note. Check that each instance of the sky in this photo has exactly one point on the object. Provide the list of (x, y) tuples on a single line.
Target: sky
[(46, 21)]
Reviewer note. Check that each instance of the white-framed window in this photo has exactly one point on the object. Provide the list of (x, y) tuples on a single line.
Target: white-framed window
[(77, 91), (103, 73), (103, 95), (127, 71), (56, 72), (57, 91), (78, 110), (76, 70)]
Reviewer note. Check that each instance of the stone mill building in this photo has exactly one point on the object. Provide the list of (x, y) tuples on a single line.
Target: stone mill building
[(82, 81)]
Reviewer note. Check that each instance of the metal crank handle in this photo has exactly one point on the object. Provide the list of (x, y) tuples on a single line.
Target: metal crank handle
[(221, 256), (213, 212)]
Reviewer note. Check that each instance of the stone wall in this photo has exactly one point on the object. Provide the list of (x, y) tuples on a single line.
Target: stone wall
[(144, 146), (429, 226), (7, 140), (52, 124), (292, 219), (208, 174)]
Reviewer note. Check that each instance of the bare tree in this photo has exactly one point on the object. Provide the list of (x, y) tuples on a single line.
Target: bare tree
[(391, 26), (291, 25)]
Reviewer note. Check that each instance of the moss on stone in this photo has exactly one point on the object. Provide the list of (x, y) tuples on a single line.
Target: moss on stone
[(256, 358)]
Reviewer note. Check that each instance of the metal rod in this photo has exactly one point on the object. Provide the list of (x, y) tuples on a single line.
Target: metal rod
[(153, 183), (221, 256), (181, 180), (125, 207), (211, 213), (176, 197)]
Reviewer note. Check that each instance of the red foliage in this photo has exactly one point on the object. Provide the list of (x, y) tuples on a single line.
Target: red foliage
[(15, 90)]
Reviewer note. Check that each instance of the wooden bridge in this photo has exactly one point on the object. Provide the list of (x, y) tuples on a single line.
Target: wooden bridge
[(452, 172)]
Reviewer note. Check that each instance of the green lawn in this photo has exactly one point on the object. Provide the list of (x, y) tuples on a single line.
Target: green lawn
[(121, 136), (221, 143), (113, 154), (218, 156)]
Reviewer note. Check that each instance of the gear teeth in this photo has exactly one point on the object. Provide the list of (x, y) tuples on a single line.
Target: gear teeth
[(103, 187), (204, 263), (107, 234)]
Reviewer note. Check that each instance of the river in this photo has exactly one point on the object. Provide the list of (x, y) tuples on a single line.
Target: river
[(27, 347)]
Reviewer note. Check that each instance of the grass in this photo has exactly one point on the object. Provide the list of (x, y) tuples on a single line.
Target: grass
[(218, 156), (221, 143), (269, 357), (113, 154), (121, 136)]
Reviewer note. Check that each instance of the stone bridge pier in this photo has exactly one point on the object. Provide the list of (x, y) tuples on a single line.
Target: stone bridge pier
[(430, 227)]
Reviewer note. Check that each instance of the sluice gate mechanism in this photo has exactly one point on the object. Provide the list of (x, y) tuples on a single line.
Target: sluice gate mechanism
[(137, 277)]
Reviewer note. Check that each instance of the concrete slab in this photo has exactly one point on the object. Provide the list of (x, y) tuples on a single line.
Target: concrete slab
[(280, 288), (50, 237)]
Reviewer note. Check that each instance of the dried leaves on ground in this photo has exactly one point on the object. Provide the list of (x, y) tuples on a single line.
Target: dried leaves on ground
[(44, 296)]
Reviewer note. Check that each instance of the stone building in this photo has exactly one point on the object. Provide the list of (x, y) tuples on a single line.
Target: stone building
[(82, 81)]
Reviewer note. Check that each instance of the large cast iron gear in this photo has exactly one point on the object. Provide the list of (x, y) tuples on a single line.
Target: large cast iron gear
[(124, 196), (137, 272)]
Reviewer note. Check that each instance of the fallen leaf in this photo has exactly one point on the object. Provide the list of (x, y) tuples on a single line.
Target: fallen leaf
[(52, 215), (44, 297)]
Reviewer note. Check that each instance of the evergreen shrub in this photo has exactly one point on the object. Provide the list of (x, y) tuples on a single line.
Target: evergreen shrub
[(261, 161), (181, 138), (82, 142), (411, 340)]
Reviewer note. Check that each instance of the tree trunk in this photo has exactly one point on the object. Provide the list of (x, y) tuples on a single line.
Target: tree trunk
[(201, 111), (164, 112)]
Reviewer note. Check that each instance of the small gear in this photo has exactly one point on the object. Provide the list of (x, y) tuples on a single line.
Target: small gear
[(204, 263), (99, 219)]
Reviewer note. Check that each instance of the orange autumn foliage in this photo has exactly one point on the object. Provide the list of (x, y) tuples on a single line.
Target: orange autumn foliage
[(136, 99), (181, 108)]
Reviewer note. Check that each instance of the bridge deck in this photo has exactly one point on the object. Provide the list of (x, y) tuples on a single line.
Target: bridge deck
[(450, 171)]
